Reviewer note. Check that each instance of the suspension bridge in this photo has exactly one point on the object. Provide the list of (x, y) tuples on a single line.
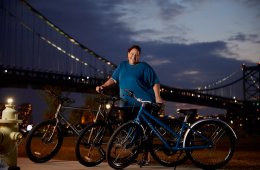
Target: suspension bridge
[(35, 51)]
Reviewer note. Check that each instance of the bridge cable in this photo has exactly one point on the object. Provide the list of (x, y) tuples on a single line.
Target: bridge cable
[(51, 43), (75, 42)]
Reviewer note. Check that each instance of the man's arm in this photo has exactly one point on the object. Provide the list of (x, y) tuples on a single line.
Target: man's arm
[(108, 83), (156, 89)]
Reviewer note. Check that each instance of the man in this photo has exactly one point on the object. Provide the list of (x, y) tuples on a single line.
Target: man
[(138, 77)]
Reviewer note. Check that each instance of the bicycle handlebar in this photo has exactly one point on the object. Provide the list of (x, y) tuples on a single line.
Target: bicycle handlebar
[(131, 94), (103, 99)]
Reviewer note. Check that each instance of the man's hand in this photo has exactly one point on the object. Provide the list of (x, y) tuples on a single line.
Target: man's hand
[(159, 99), (99, 89)]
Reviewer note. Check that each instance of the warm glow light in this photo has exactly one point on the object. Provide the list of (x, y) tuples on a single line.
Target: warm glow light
[(108, 106), (10, 100)]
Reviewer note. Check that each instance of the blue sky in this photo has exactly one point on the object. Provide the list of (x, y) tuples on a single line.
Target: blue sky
[(189, 43)]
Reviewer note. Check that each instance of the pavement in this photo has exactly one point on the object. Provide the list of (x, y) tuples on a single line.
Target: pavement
[(26, 164)]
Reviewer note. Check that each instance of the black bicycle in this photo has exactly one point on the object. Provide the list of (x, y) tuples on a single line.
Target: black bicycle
[(45, 139), (91, 143)]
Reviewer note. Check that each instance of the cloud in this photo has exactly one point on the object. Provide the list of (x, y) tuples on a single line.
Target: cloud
[(244, 37), (190, 72), (191, 66), (252, 3), (170, 9), (158, 62), (151, 21)]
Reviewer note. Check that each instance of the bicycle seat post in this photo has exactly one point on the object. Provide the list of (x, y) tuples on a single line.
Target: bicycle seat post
[(186, 118)]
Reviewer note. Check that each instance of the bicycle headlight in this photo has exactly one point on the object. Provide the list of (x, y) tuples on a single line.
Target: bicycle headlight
[(29, 127)]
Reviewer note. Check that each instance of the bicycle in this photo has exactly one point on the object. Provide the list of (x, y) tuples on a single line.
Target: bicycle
[(208, 143), (91, 144), (48, 135)]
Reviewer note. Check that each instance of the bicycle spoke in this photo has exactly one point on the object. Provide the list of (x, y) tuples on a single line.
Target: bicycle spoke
[(47, 137), (90, 146)]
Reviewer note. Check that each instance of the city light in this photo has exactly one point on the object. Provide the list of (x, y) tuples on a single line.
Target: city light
[(29, 127), (108, 106)]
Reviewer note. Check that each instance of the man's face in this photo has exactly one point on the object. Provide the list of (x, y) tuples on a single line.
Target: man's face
[(133, 56)]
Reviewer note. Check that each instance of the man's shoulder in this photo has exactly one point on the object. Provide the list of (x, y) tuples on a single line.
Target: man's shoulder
[(123, 63), (145, 64)]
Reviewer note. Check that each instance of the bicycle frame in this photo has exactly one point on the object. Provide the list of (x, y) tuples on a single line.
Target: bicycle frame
[(49, 133), (107, 120), (60, 117), (145, 115)]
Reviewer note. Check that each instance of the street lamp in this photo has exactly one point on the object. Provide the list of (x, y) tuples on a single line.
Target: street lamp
[(10, 101)]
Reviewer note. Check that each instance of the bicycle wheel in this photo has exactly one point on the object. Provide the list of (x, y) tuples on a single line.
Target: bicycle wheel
[(90, 146), (43, 141), (163, 155), (220, 141), (124, 145)]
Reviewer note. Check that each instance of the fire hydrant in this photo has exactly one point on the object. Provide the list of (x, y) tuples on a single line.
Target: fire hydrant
[(9, 137)]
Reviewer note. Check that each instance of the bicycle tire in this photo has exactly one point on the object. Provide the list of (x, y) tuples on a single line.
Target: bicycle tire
[(222, 144), (91, 144), (40, 146), (124, 145), (165, 156)]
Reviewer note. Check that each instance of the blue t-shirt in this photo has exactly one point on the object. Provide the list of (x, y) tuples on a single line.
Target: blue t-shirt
[(139, 78)]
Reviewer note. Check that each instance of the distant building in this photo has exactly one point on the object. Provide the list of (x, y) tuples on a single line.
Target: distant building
[(25, 114)]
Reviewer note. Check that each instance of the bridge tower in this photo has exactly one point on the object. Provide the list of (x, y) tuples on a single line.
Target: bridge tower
[(251, 90), (251, 82)]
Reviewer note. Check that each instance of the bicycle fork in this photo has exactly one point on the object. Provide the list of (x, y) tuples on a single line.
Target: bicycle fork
[(54, 128)]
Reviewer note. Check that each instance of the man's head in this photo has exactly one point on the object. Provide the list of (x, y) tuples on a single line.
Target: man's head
[(133, 54)]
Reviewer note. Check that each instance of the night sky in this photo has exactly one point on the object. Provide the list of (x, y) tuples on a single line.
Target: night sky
[(186, 42)]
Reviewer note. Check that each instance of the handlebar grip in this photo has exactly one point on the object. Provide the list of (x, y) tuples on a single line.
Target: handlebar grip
[(100, 90)]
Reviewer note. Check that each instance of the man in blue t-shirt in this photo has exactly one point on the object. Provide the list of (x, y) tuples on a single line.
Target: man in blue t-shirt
[(136, 76)]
